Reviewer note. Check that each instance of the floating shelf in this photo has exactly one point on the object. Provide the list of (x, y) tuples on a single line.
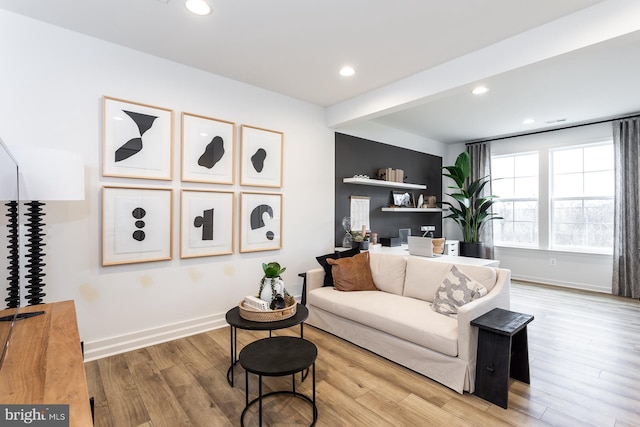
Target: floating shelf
[(381, 183), (412, 210)]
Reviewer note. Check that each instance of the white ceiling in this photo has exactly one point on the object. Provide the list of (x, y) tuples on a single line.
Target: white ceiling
[(295, 47)]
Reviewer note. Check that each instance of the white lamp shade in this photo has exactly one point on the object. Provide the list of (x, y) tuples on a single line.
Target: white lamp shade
[(48, 175)]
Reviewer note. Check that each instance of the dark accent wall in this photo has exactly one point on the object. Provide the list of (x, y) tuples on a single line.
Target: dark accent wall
[(364, 157)]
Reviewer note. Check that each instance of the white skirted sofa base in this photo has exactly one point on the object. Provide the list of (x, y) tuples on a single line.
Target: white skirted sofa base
[(397, 321)]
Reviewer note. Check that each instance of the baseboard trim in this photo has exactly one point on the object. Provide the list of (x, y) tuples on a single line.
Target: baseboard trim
[(99, 349), (561, 283)]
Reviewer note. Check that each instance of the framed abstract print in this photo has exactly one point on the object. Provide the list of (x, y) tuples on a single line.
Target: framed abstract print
[(261, 157), (260, 222), (207, 149), (136, 225), (206, 223), (137, 140)]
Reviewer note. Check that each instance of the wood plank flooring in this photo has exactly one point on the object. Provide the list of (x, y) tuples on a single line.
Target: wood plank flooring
[(584, 351)]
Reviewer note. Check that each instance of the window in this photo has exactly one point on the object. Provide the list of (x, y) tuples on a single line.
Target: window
[(555, 197), (582, 197), (515, 180)]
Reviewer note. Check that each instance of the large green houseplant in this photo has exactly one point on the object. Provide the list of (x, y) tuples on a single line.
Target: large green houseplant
[(471, 211)]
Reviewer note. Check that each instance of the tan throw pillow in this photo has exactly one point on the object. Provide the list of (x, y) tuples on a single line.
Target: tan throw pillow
[(456, 290), (352, 274)]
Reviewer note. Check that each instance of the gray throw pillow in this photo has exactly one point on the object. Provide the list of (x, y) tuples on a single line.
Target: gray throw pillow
[(456, 290)]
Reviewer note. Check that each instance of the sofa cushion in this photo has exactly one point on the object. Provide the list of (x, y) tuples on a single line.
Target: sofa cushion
[(352, 273), (456, 290), (407, 318), (388, 272), (424, 276)]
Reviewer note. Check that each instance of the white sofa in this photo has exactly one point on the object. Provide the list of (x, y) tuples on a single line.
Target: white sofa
[(397, 321)]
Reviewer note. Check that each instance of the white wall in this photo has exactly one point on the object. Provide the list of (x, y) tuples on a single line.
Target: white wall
[(52, 81)]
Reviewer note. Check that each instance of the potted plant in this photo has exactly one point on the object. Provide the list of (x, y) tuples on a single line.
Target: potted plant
[(272, 272), (473, 211), (358, 240)]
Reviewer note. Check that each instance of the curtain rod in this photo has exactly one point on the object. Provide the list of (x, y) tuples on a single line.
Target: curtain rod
[(554, 129)]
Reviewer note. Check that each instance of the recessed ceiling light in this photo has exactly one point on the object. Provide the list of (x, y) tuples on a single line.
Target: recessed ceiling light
[(480, 90), (198, 7), (347, 71), (528, 121)]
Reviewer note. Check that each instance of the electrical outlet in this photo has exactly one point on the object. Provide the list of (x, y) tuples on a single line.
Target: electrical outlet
[(552, 261), (427, 228)]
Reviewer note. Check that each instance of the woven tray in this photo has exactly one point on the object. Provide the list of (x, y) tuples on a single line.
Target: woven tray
[(254, 315)]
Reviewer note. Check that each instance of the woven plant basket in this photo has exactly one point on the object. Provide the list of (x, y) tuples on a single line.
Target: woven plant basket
[(254, 315)]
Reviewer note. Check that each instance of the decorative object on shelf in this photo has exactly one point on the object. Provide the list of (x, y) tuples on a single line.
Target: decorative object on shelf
[(346, 225), (431, 202), (137, 140), (271, 284), (261, 155), (136, 225), (45, 175), (260, 222), (473, 211), (208, 149), (361, 176), (403, 199), (206, 223), (420, 201), (389, 174)]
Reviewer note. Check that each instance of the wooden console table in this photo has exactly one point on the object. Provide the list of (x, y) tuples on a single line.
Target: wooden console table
[(44, 363)]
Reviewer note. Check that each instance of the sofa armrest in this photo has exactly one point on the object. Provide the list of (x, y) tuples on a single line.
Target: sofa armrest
[(315, 279), (498, 297)]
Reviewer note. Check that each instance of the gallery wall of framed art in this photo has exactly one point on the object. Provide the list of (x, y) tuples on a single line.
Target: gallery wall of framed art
[(137, 222)]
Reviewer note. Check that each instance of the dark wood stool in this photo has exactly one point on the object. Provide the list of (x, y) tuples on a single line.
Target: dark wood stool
[(503, 352)]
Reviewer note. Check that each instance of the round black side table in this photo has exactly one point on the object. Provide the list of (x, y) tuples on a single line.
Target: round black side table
[(236, 322), (277, 357)]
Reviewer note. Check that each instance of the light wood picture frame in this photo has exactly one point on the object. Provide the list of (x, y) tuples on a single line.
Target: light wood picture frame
[(260, 221), (137, 140), (261, 157), (136, 224), (208, 150), (206, 223)]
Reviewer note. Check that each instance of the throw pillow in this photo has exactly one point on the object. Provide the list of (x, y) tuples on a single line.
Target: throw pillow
[(352, 273), (322, 260), (456, 290)]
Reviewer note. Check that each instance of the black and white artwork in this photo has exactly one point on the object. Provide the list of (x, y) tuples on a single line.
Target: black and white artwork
[(206, 223), (261, 222), (207, 149), (136, 225), (137, 140), (261, 163)]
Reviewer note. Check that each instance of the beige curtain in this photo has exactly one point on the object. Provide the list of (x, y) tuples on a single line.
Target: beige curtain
[(626, 232), (480, 155)]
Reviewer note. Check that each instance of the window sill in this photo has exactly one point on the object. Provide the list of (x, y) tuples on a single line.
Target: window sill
[(556, 251)]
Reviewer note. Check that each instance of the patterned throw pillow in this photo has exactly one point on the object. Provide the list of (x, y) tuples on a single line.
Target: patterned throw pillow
[(456, 290)]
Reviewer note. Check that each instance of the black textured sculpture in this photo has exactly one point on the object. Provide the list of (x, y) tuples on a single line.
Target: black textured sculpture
[(13, 291), (34, 254)]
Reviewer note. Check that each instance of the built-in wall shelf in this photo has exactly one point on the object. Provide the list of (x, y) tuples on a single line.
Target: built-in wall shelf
[(412, 210), (381, 183)]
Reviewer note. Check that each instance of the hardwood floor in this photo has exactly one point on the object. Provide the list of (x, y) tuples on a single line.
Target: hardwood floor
[(584, 352)]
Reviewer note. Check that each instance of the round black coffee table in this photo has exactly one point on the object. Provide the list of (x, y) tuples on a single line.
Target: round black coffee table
[(236, 322), (277, 357)]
